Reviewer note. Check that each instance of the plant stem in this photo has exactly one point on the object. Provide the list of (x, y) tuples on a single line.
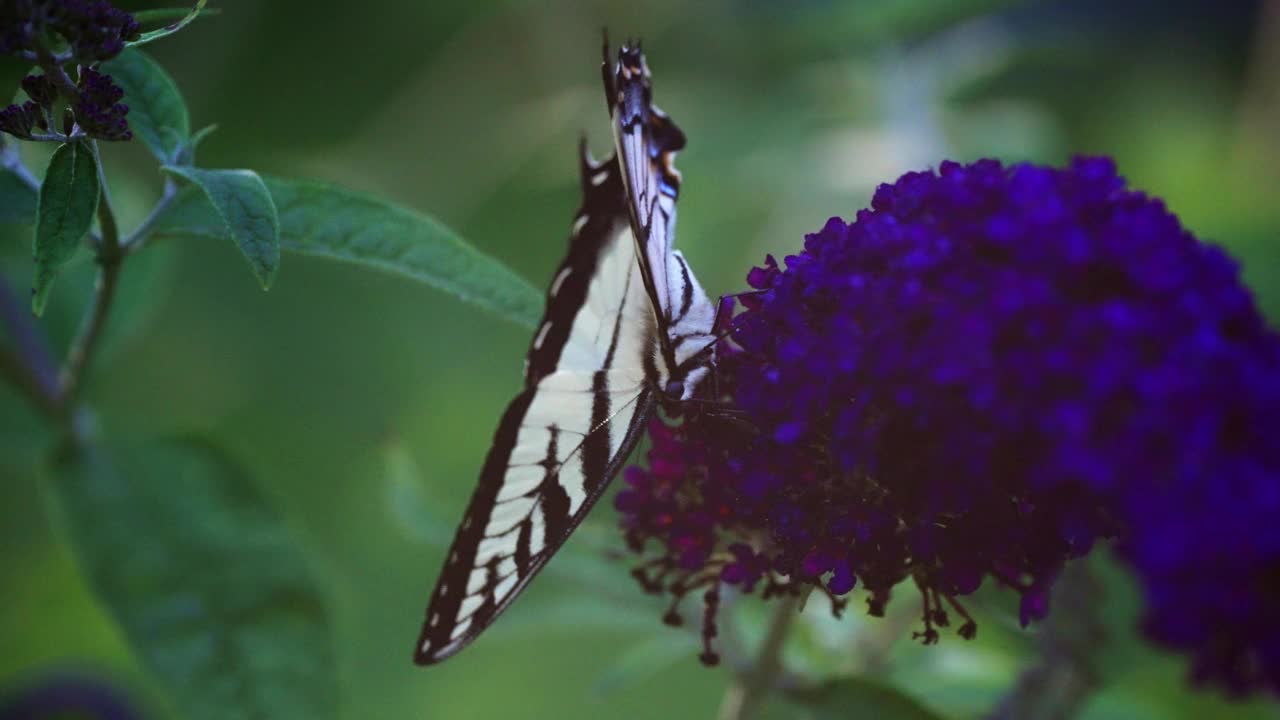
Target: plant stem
[(52, 66), (135, 240), (12, 162), (1256, 145), (750, 689), (29, 366), (110, 255), (1059, 685)]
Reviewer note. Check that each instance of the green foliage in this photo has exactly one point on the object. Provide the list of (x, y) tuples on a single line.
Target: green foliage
[(203, 577), (146, 17), (414, 511), (167, 30), (157, 114), (64, 213), (244, 213), (331, 222), (644, 659), (187, 156), (855, 697), (17, 199)]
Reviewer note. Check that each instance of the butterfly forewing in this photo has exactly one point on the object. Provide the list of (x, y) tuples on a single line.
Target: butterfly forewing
[(565, 436), (620, 309)]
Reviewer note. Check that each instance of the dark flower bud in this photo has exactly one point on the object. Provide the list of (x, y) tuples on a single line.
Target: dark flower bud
[(99, 111), (21, 120), (41, 90), (18, 30)]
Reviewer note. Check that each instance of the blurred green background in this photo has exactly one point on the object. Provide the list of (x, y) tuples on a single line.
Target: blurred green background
[(364, 403)]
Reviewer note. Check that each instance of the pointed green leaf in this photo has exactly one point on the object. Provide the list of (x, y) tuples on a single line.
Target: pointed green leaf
[(203, 577), (245, 213), (332, 222), (157, 114), (854, 697), (64, 213), (17, 199), (188, 154), (147, 37)]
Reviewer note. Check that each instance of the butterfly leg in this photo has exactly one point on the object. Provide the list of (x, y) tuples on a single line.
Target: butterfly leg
[(724, 309)]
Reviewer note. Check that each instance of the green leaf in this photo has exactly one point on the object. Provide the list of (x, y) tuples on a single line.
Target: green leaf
[(64, 213), (410, 505), (245, 211), (635, 664), (157, 113), (146, 17), (150, 35), (853, 697), (202, 576), (328, 221), (17, 199), (188, 155)]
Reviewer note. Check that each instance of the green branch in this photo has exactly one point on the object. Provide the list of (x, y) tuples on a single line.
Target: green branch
[(29, 366), (111, 253), (750, 689)]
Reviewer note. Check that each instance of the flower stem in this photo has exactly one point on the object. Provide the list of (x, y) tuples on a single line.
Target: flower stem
[(52, 66), (135, 240), (110, 255), (1057, 687), (29, 366), (11, 161), (750, 689)]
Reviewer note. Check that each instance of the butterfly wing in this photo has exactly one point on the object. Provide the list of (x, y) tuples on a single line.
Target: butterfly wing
[(646, 141), (563, 438)]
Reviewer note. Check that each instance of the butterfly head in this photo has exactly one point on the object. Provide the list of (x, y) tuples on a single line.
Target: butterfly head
[(627, 85), (694, 356), (685, 387)]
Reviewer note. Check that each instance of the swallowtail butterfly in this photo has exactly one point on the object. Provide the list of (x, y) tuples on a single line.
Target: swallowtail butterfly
[(626, 327)]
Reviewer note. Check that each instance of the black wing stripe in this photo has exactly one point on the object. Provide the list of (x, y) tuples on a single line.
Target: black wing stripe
[(686, 300), (596, 448), (554, 499), (602, 205)]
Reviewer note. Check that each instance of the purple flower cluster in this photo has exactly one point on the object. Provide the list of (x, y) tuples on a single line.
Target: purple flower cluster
[(988, 371), (1203, 539), (94, 30), (99, 111)]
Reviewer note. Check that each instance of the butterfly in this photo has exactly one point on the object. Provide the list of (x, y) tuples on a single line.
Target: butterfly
[(627, 328)]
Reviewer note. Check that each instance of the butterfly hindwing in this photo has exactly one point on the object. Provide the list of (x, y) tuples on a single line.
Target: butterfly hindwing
[(562, 439), (647, 142)]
